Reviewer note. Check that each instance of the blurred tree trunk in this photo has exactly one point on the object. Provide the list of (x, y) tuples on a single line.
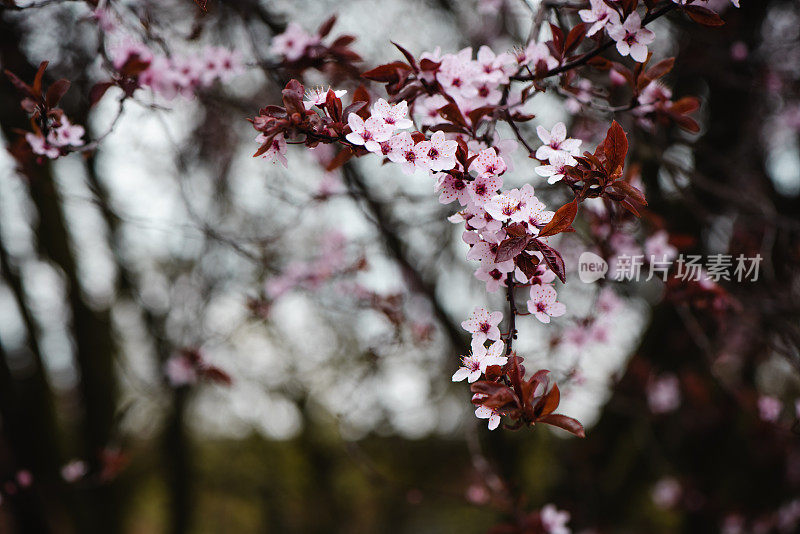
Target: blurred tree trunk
[(90, 328)]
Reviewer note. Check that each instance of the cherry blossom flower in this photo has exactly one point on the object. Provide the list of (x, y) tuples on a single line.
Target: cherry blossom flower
[(769, 408), (506, 205), (632, 39), (483, 325), (664, 394), (428, 109), (41, 147), (318, 96), (543, 304), (494, 274), (536, 53), (555, 142), (476, 363), (482, 412), (484, 187), (488, 162), (554, 521), (493, 69), (457, 72), (66, 135), (395, 116), (402, 150), (369, 133), (440, 154), (452, 188), (277, 150), (293, 42), (598, 16), (557, 168)]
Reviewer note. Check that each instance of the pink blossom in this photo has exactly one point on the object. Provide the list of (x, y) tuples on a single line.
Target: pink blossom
[(428, 108), (769, 408), (598, 16), (369, 133), (553, 520), (543, 304), (482, 412), (456, 74), (484, 187), (555, 142), (536, 53), (276, 151), (452, 188), (293, 42), (395, 116), (440, 154), (494, 274), (664, 394), (473, 365), (40, 146), (557, 168), (488, 162), (483, 325), (632, 39), (493, 69), (541, 276), (318, 96)]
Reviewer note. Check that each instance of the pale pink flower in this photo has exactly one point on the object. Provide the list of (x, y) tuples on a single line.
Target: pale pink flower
[(428, 109), (543, 304), (541, 276), (598, 16), (554, 521), (769, 408), (276, 151), (483, 325), (482, 412), (456, 74), (494, 274), (452, 188), (476, 363), (41, 147), (440, 154), (555, 142), (402, 151), (493, 69), (66, 135), (536, 53), (319, 95), (488, 162), (369, 133), (664, 394), (511, 204), (484, 187), (557, 168), (293, 42), (632, 39), (395, 116), (24, 478)]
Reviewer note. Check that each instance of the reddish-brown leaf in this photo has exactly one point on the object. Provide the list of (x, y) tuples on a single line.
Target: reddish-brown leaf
[(561, 221), (615, 147), (326, 27), (511, 247), (703, 15), (387, 73), (566, 423), (55, 92), (551, 256)]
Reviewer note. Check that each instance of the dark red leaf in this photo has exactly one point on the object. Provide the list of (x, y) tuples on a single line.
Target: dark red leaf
[(55, 92), (615, 147), (562, 220), (326, 27), (567, 423), (703, 15), (552, 257)]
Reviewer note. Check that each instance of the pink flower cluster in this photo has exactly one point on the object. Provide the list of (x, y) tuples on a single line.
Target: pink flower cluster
[(62, 136), (631, 37), (292, 43), (179, 74)]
